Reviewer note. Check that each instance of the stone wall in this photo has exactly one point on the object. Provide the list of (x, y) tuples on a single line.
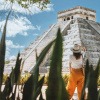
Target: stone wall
[(77, 12)]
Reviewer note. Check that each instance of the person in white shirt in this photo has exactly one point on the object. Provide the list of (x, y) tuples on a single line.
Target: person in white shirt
[(76, 78)]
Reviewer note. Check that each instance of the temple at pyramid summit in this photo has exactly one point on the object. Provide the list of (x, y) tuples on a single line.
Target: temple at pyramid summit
[(78, 26)]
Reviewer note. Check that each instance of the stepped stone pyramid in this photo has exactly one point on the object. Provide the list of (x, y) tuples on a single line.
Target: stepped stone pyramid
[(78, 26)]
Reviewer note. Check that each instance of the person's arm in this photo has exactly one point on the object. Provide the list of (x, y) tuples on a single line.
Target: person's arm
[(83, 69), (70, 64), (70, 67)]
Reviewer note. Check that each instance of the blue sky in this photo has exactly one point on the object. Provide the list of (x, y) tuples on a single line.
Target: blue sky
[(24, 28)]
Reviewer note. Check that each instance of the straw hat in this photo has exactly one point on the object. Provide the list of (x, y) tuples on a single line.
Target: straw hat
[(76, 48)]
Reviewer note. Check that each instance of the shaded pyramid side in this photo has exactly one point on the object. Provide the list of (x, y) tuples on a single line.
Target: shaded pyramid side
[(91, 40), (85, 33), (47, 37)]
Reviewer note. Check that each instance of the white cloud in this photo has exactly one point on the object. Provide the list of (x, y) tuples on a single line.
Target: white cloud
[(18, 26), (9, 57), (11, 45), (33, 9), (8, 54), (21, 25), (12, 57), (38, 27)]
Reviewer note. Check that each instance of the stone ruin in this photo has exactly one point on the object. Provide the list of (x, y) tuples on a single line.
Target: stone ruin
[(78, 26)]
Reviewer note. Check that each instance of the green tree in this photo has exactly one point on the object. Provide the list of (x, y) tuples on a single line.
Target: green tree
[(27, 3)]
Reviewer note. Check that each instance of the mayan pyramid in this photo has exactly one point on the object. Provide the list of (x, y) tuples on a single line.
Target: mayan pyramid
[(78, 26)]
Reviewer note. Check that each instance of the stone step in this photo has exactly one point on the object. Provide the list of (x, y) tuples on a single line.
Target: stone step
[(78, 25)]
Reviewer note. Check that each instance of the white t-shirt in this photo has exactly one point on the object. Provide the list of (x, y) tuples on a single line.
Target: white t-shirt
[(76, 63)]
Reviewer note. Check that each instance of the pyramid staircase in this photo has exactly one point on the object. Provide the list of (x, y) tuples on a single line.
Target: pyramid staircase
[(45, 39)]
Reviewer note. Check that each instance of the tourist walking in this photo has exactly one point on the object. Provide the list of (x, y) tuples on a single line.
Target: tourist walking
[(76, 78)]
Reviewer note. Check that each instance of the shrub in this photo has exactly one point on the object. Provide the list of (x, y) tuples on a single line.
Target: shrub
[(99, 81), (46, 79), (65, 77), (5, 76)]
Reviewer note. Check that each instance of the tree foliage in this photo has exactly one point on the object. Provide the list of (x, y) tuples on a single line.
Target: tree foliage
[(27, 3)]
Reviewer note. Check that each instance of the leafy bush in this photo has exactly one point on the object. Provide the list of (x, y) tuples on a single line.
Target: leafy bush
[(66, 77), (46, 79), (5, 76), (25, 77), (99, 81)]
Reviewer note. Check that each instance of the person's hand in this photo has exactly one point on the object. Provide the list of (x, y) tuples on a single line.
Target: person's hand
[(83, 48), (83, 70)]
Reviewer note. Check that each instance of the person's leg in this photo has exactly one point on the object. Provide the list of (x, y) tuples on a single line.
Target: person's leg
[(71, 86), (80, 86)]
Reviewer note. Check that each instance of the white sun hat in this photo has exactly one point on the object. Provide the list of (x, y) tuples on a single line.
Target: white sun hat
[(76, 48)]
